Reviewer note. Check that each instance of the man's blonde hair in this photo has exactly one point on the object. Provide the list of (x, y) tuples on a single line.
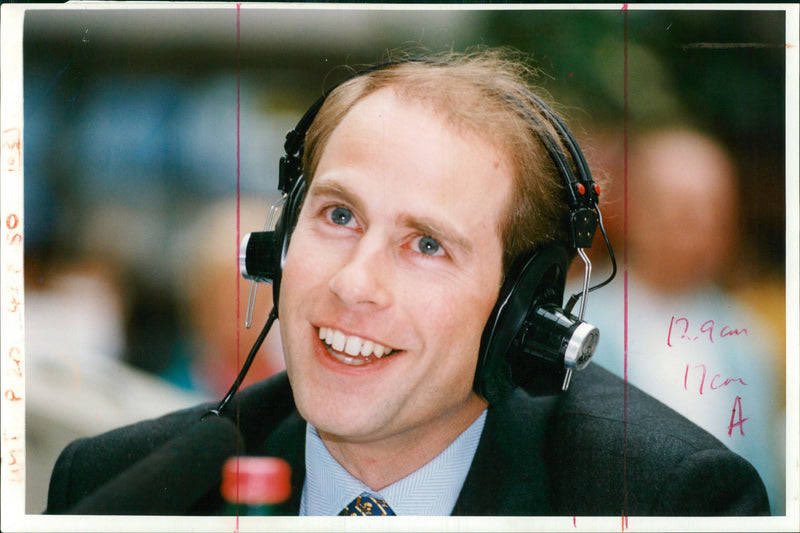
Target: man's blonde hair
[(484, 92)]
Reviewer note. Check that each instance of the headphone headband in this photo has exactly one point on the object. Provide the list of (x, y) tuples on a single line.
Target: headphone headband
[(581, 190)]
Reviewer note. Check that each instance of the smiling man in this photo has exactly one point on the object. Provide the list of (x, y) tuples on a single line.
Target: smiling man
[(402, 226), (425, 182)]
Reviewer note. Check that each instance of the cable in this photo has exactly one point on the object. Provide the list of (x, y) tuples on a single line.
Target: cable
[(610, 255), (273, 315), (574, 298)]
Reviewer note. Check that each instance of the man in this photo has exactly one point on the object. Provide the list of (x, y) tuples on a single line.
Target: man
[(426, 180)]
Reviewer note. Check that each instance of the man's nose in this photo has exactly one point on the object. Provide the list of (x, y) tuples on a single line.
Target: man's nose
[(362, 279)]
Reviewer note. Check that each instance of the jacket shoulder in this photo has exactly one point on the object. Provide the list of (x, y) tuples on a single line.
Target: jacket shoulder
[(615, 449), (88, 463)]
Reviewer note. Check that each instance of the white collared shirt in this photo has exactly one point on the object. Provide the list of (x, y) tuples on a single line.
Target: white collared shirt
[(432, 490)]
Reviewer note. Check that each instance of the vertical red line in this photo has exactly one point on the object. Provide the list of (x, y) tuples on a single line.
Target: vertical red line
[(238, 171), (625, 269), (238, 224)]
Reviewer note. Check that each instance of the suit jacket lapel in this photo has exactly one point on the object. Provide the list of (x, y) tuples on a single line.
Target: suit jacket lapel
[(509, 476), (271, 426), (288, 441)]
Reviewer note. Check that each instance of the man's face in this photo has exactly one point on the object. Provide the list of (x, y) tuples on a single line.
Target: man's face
[(397, 248)]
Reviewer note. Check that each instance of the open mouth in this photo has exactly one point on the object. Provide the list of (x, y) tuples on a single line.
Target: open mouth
[(351, 349)]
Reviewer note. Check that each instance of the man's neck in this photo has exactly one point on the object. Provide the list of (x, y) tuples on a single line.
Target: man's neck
[(380, 463)]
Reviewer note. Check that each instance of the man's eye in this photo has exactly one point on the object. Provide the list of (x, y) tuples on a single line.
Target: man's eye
[(341, 216), (427, 245)]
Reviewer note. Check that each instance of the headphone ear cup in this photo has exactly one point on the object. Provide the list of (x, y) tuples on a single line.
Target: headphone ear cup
[(535, 279), (283, 233)]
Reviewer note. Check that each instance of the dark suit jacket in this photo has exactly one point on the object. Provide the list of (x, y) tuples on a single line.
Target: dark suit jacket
[(578, 453)]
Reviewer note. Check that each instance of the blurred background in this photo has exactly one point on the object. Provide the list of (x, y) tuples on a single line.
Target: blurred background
[(133, 302)]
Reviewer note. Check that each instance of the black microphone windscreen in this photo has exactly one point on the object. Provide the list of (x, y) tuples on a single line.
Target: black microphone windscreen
[(173, 477), (258, 255)]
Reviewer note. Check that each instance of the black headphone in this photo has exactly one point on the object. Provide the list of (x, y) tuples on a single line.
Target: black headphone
[(529, 339)]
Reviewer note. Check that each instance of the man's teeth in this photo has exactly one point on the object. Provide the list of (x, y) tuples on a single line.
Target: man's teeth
[(351, 344)]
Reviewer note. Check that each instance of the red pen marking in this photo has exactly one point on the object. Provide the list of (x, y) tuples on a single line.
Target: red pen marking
[(14, 302), (737, 406), (574, 521), (14, 355), (673, 322), (17, 370), (680, 329), (238, 173), (728, 332), (11, 396), (714, 384), (685, 377), (708, 328), (16, 473), (725, 383), (12, 221), (625, 117), (12, 141), (238, 213), (14, 239), (12, 138)]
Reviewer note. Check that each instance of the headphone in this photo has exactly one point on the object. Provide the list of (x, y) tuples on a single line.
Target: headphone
[(529, 340)]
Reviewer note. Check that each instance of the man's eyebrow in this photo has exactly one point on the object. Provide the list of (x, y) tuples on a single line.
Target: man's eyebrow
[(331, 188), (438, 230)]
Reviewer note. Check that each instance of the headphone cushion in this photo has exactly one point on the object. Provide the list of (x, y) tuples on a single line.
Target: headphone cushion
[(283, 233), (535, 279)]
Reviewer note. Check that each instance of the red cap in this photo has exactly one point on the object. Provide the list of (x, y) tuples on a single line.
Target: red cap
[(597, 189), (256, 480), (581, 189)]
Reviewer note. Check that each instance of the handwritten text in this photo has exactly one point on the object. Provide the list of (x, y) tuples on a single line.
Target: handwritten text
[(701, 371), (681, 330), (740, 420)]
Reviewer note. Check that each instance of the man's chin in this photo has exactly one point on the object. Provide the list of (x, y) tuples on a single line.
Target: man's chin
[(329, 408), (343, 428)]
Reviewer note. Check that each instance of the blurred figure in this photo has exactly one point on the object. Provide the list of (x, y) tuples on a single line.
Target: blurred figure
[(689, 343), (206, 267), (76, 380), (682, 209)]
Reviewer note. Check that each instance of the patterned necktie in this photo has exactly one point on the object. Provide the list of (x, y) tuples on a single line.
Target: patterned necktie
[(366, 504)]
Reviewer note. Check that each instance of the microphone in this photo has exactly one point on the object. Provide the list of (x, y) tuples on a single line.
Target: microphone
[(171, 479), (257, 256)]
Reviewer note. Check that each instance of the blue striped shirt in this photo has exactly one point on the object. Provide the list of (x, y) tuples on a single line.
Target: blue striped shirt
[(432, 490)]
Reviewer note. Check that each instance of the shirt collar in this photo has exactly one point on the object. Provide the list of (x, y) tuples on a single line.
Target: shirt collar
[(432, 490)]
